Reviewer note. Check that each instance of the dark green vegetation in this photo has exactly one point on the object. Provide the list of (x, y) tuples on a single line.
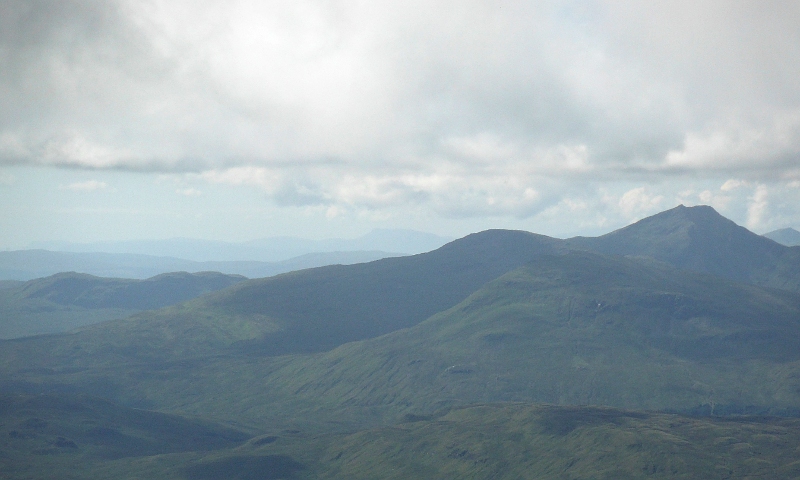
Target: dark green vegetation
[(349, 371), (69, 300), (785, 236), (498, 441)]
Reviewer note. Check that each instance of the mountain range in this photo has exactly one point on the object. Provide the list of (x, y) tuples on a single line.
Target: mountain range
[(273, 249), (23, 265), (334, 371)]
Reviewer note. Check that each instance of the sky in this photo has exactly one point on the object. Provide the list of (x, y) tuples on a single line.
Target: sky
[(238, 120)]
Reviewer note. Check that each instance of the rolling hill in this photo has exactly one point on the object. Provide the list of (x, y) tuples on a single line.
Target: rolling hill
[(68, 300)]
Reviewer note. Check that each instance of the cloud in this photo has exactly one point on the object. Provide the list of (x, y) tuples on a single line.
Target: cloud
[(189, 192), (464, 108), (87, 186)]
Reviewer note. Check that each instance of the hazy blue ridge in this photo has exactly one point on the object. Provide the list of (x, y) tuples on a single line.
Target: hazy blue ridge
[(785, 236), (31, 264), (274, 249)]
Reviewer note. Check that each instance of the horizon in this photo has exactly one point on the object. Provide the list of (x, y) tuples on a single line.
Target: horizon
[(240, 121)]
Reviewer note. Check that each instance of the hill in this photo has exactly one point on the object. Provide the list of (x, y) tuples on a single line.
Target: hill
[(578, 328), (499, 441), (700, 239), (44, 434), (316, 309), (69, 300), (785, 236)]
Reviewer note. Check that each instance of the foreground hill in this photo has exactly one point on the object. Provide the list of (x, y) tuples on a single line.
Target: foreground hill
[(498, 441), (700, 239), (69, 300)]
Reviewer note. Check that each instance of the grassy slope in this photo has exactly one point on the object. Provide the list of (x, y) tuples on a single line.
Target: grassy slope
[(497, 441), (572, 329), (645, 337), (69, 300)]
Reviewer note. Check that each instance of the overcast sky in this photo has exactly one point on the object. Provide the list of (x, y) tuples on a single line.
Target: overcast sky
[(238, 120)]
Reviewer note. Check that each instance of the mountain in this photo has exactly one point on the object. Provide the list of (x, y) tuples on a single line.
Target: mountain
[(429, 364), (68, 300), (574, 329), (317, 309), (700, 239), (31, 264), (785, 236), (272, 249)]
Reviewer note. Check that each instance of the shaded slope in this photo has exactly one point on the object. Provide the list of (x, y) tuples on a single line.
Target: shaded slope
[(498, 441), (700, 239), (68, 300), (305, 311), (43, 434)]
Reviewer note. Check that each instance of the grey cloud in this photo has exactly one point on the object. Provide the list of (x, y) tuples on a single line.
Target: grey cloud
[(326, 91)]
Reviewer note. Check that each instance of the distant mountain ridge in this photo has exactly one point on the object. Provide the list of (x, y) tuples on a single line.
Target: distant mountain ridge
[(274, 249), (30, 264), (785, 236)]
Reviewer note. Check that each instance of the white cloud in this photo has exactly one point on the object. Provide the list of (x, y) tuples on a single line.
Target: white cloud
[(87, 186), (758, 207), (637, 201)]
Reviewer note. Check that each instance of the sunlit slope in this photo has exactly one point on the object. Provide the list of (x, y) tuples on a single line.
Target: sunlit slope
[(304, 311), (574, 329), (700, 239), (68, 300)]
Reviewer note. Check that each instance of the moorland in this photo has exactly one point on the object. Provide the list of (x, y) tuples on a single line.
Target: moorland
[(667, 349)]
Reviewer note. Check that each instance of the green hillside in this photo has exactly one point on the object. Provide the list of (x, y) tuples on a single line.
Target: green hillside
[(65, 301), (570, 329)]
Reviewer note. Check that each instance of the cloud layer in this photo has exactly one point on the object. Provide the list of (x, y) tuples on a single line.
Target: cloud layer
[(464, 108)]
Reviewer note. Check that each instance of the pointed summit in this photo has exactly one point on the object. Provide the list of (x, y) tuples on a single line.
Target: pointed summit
[(695, 238)]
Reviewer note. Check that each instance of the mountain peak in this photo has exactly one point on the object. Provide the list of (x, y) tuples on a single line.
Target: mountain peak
[(694, 238), (785, 236)]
